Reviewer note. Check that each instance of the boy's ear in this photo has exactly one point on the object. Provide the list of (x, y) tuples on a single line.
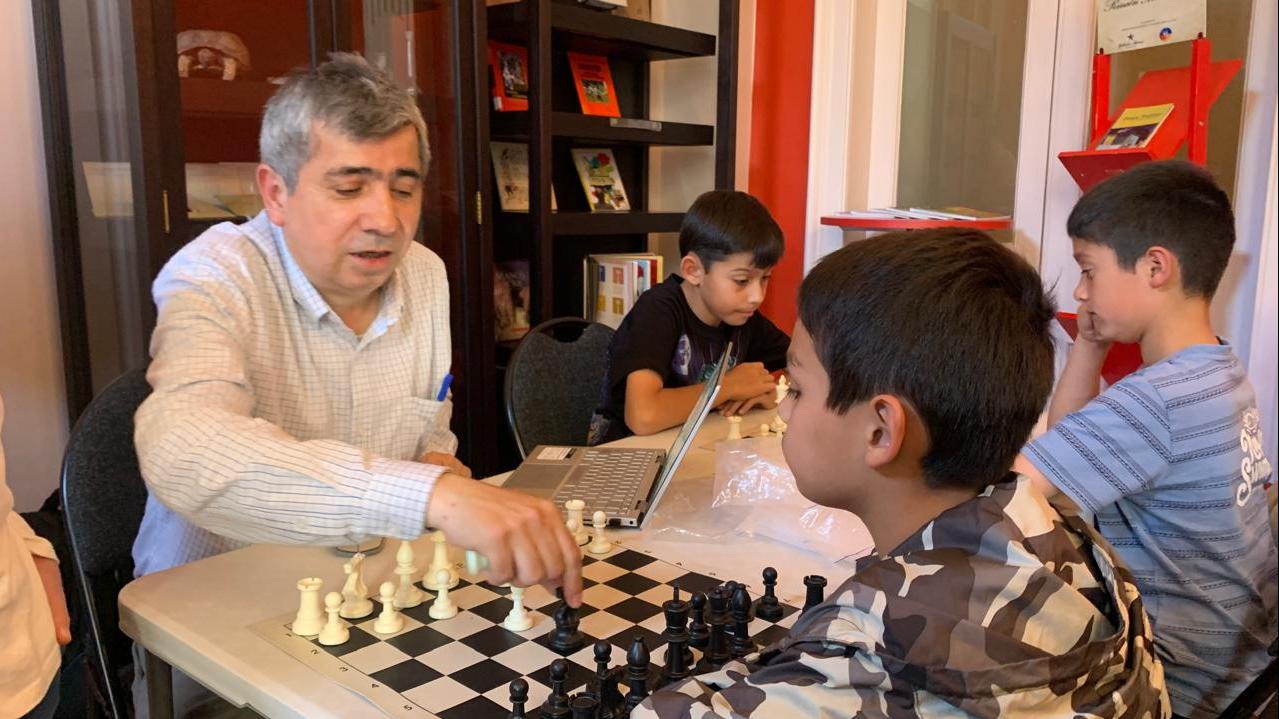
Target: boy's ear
[(887, 430), (274, 192), (690, 267), (1160, 266)]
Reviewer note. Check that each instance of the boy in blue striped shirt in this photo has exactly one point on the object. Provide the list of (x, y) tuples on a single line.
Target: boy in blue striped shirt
[(1169, 458)]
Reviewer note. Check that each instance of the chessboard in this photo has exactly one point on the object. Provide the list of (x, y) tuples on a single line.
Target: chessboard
[(462, 667)]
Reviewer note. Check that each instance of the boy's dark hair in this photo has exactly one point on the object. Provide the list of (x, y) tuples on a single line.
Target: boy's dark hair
[(948, 320), (1170, 203), (724, 222)]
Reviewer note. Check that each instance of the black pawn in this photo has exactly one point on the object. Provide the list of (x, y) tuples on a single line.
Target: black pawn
[(767, 607), (742, 643), (556, 704), (585, 706), (636, 673), (565, 638), (603, 652), (519, 695), (698, 632), (816, 585)]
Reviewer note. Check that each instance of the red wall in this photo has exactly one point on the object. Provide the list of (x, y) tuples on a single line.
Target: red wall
[(779, 138)]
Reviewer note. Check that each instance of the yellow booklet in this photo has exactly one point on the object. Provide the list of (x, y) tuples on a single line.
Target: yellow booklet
[(1134, 127)]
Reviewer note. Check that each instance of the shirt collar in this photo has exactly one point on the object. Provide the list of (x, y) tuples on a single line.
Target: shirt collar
[(304, 293)]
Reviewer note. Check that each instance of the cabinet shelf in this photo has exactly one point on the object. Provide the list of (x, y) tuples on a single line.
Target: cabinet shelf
[(615, 223), (203, 97), (593, 31), (608, 130)]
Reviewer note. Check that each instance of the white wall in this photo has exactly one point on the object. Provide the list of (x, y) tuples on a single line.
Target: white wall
[(35, 428)]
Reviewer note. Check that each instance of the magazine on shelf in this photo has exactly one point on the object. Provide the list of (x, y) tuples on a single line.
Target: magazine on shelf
[(597, 169), (958, 212), (594, 82), (612, 283), (1134, 127), (509, 64), (510, 171)]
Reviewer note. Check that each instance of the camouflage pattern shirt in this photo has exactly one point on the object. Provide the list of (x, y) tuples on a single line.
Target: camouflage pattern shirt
[(1003, 606)]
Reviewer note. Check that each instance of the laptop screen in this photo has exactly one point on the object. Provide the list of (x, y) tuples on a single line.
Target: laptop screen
[(686, 433)]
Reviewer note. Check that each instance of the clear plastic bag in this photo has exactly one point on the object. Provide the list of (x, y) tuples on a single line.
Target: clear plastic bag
[(755, 493)]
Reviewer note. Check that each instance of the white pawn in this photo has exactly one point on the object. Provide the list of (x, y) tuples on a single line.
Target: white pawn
[(443, 607), (355, 595), (734, 427), (440, 560), (334, 632), (389, 621), (575, 508), (518, 619), (599, 543), (407, 595), (310, 617), (763, 430)]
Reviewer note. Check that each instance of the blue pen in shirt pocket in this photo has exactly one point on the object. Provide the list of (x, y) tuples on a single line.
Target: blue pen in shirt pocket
[(444, 388)]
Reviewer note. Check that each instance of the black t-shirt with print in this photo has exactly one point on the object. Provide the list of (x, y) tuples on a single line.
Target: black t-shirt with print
[(662, 334)]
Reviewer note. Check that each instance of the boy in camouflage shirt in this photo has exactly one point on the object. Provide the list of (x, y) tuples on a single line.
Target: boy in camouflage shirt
[(918, 366)]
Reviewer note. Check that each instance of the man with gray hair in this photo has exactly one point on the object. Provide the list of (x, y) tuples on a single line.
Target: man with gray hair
[(299, 359)]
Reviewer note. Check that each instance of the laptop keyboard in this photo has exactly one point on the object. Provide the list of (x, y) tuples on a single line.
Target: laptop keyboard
[(607, 481)]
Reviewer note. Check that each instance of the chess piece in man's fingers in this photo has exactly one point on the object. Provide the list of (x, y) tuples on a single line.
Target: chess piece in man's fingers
[(523, 537)]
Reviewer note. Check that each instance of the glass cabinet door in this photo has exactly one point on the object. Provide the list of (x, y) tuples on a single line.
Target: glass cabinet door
[(429, 48), (230, 57)]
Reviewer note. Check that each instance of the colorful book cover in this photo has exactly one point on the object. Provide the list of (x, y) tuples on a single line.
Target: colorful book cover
[(597, 170), (594, 82), (510, 171), (510, 76), (1134, 127)]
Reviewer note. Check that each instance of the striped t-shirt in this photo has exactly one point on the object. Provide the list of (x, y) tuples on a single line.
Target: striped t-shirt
[(1170, 461)]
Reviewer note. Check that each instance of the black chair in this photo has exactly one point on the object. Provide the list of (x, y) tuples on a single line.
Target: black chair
[(103, 498), (553, 382)]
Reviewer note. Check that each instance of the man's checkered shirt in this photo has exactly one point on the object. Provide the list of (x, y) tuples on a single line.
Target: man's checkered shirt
[(270, 420)]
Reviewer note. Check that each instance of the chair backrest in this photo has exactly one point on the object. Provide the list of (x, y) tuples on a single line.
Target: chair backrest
[(553, 382), (103, 499)]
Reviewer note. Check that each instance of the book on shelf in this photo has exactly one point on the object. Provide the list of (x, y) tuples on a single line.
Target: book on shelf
[(1134, 127), (612, 283), (510, 299), (594, 83), (510, 171), (509, 64), (597, 169)]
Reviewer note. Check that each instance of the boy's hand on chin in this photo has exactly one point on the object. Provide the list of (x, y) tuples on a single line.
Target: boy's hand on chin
[(1088, 330)]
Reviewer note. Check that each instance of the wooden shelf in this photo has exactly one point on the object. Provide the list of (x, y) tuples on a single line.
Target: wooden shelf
[(594, 31), (615, 223), (608, 130)]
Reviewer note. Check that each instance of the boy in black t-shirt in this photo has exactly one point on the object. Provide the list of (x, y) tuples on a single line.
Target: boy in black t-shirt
[(671, 340)]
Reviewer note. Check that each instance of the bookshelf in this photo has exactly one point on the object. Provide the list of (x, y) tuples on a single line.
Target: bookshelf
[(556, 242)]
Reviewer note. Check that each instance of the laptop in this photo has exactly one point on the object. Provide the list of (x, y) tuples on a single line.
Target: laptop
[(624, 482)]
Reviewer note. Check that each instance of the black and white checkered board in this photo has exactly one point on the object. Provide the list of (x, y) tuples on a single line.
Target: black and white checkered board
[(460, 668)]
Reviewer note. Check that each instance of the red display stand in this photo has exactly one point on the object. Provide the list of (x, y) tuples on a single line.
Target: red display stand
[(884, 225), (1191, 90)]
